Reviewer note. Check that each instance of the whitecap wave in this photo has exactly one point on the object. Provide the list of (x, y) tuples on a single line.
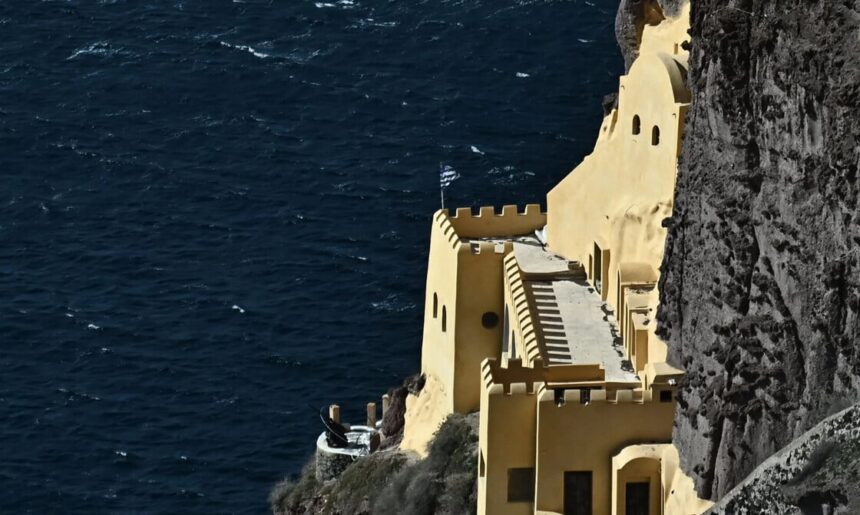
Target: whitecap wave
[(343, 4), (509, 175), (99, 48), (246, 48), (392, 304)]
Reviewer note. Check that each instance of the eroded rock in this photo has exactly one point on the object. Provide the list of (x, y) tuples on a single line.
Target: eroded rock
[(760, 285)]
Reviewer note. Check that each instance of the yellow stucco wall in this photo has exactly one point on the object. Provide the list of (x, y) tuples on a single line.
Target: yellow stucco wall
[(465, 277), (620, 193), (580, 437), (617, 197), (424, 414), (672, 492), (642, 470), (680, 496), (480, 287), (507, 439), (668, 36), (437, 350)]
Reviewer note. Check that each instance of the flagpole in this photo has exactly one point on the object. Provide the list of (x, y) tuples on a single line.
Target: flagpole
[(441, 187)]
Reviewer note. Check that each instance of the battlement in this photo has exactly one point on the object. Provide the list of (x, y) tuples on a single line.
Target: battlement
[(490, 247), (488, 223), (502, 374), (578, 397), (499, 378), (443, 223)]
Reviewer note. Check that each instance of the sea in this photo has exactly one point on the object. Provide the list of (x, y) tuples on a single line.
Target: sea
[(215, 215)]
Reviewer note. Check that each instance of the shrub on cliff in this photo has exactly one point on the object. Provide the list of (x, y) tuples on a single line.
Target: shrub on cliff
[(386, 483), (444, 482), (352, 493)]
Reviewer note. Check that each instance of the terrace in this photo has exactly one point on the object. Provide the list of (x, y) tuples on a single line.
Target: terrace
[(573, 325)]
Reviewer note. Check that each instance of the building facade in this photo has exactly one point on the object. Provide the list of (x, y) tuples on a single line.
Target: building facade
[(545, 322)]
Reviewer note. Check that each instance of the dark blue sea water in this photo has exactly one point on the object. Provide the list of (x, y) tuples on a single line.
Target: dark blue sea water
[(213, 213)]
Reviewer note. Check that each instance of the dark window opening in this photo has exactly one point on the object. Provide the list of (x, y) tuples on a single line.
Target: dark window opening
[(435, 305), (521, 485), (490, 320), (558, 397), (598, 269), (666, 396), (655, 136), (637, 499), (482, 466), (637, 125), (444, 319), (584, 396), (577, 493)]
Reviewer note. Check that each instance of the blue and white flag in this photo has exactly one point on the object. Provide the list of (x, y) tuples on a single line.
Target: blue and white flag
[(447, 175)]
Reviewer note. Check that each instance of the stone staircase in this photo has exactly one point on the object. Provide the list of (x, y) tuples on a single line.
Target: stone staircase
[(550, 323)]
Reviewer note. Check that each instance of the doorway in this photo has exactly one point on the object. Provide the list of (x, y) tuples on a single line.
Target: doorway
[(637, 500), (577, 493)]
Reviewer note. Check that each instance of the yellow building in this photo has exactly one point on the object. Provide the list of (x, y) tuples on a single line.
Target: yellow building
[(545, 321)]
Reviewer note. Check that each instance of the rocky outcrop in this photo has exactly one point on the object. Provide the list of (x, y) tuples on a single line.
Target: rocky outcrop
[(817, 473), (394, 420), (632, 17), (760, 285)]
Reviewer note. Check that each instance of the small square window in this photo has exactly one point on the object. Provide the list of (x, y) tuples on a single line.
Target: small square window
[(666, 396), (521, 485)]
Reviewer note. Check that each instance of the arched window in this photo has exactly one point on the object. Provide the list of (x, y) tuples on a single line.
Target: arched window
[(655, 136), (444, 319), (435, 305), (637, 125)]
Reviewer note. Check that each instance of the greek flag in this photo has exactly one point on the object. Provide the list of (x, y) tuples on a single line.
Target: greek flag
[(447, 175)]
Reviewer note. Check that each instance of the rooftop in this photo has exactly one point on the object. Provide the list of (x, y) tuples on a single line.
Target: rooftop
[(577, 327), (533, 259)]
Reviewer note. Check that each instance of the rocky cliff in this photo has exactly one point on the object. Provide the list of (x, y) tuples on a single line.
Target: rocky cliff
[(817, 473), (760, 286)]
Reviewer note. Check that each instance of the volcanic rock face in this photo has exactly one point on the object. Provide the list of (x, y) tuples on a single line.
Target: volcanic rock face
[(760, 285), (816, 473)]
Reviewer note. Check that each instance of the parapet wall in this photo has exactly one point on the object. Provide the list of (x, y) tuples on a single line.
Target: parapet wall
[(499, 379), (490, 224), (443, 224), (499, 376), (573, 396), (520, 302)]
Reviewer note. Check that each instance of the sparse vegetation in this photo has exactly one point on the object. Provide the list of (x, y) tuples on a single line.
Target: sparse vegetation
[(444, 482), (389, 483)]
